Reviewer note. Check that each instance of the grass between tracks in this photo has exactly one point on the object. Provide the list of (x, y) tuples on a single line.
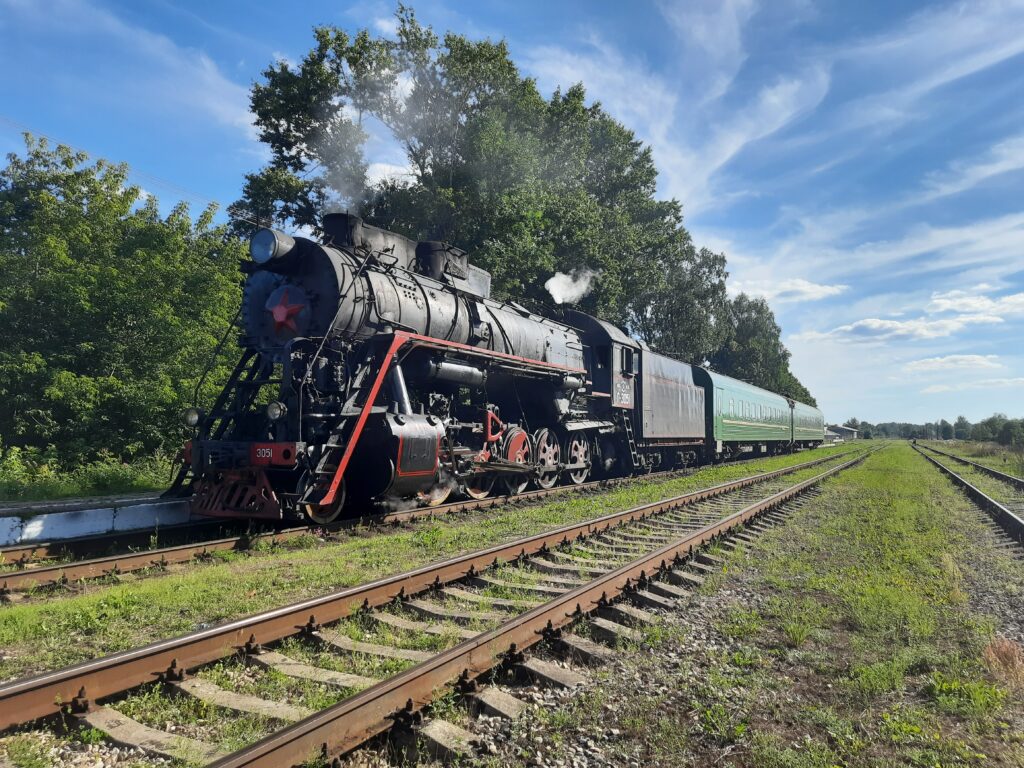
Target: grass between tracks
[(854, 635), (1000, 457), (37, 636)]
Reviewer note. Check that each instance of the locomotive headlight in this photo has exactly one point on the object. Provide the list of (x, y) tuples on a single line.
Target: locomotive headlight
[(276, 410), (192, 417), (269, 244)]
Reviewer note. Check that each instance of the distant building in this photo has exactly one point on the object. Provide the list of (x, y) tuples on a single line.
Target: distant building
[(831, 437), (847, 433)]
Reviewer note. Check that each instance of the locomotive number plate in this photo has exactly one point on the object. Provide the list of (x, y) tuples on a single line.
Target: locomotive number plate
[(276, 454)]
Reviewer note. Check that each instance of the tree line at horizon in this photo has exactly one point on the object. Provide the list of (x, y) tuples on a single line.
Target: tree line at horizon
[(111, 311), (997, 428)]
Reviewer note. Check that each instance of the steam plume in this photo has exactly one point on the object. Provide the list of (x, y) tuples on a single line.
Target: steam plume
[(568, 289)]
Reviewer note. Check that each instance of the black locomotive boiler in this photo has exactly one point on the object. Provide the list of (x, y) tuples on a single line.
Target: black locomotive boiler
[(378, 370)]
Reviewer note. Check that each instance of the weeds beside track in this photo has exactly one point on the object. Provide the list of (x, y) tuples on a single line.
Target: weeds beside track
[(132, 669)]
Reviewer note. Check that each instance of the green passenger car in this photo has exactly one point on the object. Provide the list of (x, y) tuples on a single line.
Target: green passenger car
[(742, 414), (808, 425)]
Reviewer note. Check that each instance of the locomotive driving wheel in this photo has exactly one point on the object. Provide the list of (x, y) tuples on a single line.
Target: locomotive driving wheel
[(516, 446), (579, 453), (549, 455), (325, 515), (438, 493), (480, 486)]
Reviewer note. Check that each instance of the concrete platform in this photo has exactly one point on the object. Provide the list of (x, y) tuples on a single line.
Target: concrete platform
[(25, 524)]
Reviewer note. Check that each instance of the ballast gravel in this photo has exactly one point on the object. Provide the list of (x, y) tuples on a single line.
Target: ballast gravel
[(63, 753)]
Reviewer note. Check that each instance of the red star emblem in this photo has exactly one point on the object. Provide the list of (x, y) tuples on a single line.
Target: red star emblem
[(284, 313)]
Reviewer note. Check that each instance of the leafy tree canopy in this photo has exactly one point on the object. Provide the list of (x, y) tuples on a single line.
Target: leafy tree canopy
[(109, 312), (530, 185), (754, 351)]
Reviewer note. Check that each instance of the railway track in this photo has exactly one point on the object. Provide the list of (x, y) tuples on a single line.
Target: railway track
[(1016, 482), (34, 571), (479, 614), (1005, 504)]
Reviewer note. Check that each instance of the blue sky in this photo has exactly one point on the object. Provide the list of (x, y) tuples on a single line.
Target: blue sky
[(861, 164)]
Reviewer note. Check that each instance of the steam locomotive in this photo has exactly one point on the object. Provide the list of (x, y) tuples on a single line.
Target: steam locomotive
[(378, 370)]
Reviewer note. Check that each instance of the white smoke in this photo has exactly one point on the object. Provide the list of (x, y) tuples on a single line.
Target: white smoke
[(568, 289)]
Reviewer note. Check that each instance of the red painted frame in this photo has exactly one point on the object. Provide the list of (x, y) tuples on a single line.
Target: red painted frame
[(397, 342)]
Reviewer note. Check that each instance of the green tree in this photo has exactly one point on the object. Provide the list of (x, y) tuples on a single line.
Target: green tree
[(1011, 433), (962, 428), (982, 432), (754, 350), (945, 430), (530, 185), (108, 311)]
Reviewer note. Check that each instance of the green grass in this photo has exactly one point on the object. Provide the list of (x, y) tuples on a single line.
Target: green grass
[(109, 618), (1009, 460), (844, 638), (26, 476)]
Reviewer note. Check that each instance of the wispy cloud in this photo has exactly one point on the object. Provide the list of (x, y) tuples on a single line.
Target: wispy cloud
[(962, 386), (977, 301), (789, 290), (655, 107), (377, 172), (952, 363), (385, 25), (932, 49), (156, 75), (884, 329), (1003, 157), (712, 33)]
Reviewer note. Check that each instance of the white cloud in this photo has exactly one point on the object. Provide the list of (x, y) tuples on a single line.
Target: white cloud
[(651, 105), (952, 363), (278, 56), (789, 290), (976, 301), (1003, 157), (386, 25), (154, 74), (932, 49), (979, 384), (882, 329), (712, 33), (377, 172)]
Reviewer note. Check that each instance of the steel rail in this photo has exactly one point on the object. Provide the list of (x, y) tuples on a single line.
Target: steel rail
[(1008, 520), (31, 698), (135, 561), (1016, 482), (352, 722), (79, 546), (28, 576), (27, 553)]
